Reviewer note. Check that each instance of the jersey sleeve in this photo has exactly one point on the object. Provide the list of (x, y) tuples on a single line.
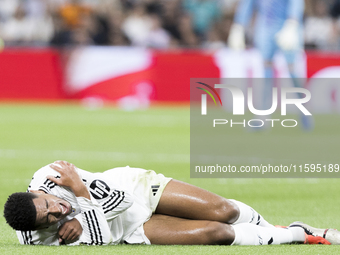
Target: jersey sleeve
[(244, 12), (96, 230), (40, 182), (116, 203), (37, 237), (112, 200)]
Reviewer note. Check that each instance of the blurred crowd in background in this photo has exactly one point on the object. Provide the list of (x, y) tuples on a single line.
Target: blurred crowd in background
[(160, 24)]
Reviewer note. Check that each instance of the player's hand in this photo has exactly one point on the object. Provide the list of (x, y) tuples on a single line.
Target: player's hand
[(68, 175), (69, 178), (288, 37), (237, 38), (70, 230)]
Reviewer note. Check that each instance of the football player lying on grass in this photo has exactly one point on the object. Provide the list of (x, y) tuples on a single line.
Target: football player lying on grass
[(67, 205)]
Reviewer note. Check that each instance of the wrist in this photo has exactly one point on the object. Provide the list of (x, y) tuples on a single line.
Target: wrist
[(81, 191), (292, 23)]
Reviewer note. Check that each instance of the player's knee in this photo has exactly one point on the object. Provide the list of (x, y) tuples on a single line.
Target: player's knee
[(219, 233), (226, 211)]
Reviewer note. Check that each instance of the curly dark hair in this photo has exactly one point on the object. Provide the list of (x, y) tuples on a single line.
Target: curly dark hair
[(20, 212)]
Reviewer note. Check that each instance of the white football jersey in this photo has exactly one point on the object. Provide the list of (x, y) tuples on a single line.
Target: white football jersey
[(100, 217)]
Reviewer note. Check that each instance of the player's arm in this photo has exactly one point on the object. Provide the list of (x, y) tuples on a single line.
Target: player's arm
[(243, 15), (37, 237), (69, 178), (113, 201), (116, 203), (70, 230), (40, 183), (96, 230)]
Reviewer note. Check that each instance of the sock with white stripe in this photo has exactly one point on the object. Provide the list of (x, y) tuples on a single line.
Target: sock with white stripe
[(249, 215), (249, 234)]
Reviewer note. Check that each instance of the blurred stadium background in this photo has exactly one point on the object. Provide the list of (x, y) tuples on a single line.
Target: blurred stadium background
[(106, 83)]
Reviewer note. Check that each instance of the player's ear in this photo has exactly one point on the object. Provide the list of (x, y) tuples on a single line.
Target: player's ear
[(37, 191)]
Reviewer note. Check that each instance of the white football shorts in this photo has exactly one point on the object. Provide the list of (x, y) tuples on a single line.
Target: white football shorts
[(146, 186)]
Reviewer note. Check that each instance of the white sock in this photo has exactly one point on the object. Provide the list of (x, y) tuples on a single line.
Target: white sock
[(249, 215), (249, 234), (298, 234)]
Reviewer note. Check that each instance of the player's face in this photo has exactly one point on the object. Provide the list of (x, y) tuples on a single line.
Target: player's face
[(50, 210)]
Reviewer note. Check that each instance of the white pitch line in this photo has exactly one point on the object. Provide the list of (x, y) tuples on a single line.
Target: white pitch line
[(95, 155), (105, 120), (142, 157)]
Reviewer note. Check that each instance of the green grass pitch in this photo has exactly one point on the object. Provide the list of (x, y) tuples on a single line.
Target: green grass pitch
[(32, 136)]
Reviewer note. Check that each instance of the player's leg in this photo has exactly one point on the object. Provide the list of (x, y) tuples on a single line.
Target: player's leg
[(164, 229), (264, 42), (167, 230), (183, 200), (319, 235), (291, 59)]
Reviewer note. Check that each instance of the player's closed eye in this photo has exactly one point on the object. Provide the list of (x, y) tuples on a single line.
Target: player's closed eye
[(47, 219)]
